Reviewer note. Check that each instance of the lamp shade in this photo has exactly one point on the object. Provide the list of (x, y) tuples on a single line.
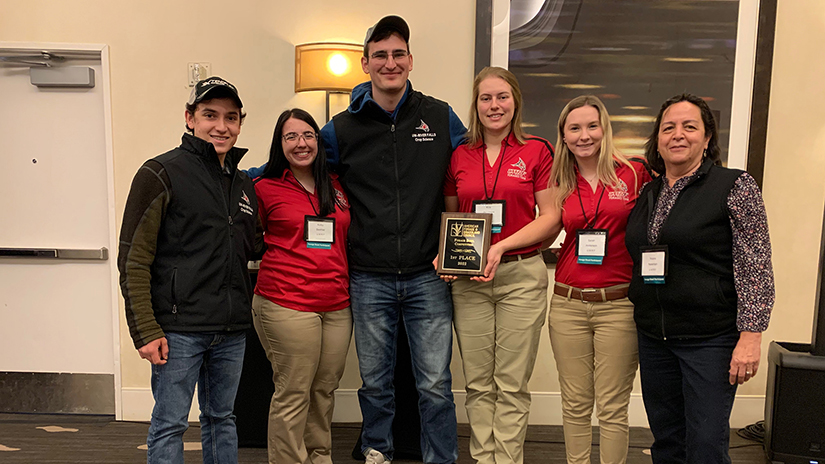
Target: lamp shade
[(334, 67)]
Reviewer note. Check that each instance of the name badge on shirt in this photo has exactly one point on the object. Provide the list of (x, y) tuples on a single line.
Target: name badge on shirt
[(319, 232), (494, 207), (591, 245), (654, 264)]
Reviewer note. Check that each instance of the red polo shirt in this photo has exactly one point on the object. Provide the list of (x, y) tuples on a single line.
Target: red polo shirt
[(522, 170), (292, 275), (614, 209)]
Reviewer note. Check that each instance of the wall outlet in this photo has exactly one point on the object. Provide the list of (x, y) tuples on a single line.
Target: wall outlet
[(199, 71)]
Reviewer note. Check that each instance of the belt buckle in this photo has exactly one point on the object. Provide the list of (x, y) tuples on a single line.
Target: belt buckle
[(589, 290)]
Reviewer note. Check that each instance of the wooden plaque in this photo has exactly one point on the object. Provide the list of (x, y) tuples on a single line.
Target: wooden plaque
[(463, 243)]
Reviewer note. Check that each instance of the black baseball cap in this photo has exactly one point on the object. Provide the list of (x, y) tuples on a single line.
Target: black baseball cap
[(391, 23), (213, 87)]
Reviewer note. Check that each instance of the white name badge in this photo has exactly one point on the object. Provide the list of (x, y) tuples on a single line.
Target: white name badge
[(591, 245), (654, 264), (319, 232), (494, 207)]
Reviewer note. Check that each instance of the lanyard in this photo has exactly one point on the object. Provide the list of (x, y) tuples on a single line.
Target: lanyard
[(587, 224), (307, 194), (484, 175)]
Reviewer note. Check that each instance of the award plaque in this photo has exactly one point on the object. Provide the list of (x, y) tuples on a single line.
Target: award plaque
[(464, 242)]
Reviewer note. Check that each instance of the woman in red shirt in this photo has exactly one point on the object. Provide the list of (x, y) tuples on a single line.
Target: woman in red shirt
[(498, 317), (301, 307), (591, 319)]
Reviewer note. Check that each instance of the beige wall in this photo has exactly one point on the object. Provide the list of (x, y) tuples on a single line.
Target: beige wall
[(794, 189), (251, 44)]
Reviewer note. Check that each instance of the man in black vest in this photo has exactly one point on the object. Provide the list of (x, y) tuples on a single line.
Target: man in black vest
[(186, 238), (391, 149)]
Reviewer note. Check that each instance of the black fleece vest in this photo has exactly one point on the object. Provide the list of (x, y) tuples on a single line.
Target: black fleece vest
[(698, 298), (200, 281), (393, 173)]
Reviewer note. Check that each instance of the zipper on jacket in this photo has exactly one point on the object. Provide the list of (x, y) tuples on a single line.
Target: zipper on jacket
[(175, 294), (231, 224), (397, 193)]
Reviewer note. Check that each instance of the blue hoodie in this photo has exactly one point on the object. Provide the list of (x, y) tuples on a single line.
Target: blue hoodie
[(393, 165), (362, 94)]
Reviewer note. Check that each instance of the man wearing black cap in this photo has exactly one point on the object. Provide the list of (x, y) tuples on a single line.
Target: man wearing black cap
[(391, 149), (186, 238)]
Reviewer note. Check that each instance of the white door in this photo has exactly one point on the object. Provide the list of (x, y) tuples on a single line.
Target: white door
[(57, 319)]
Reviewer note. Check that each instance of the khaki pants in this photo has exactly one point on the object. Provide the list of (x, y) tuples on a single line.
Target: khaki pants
[(596, 353), (498, 325), (308, 352)]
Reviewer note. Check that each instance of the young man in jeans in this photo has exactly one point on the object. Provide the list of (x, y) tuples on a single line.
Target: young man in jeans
[(186, 238), (391, 149)]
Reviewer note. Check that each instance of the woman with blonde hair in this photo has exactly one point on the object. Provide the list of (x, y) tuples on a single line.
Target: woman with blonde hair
[(498, 317), (591, 319)]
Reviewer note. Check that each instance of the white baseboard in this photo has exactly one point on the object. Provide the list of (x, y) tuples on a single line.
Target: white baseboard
[(545, 410)]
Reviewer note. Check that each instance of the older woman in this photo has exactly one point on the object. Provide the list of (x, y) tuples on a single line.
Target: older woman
[(498, 317), (301, 307), (591, 318), (702, 284)]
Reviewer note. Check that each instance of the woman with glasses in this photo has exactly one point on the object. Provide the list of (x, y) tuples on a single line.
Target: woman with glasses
[(301, 307), (498, 317), (591, 319)]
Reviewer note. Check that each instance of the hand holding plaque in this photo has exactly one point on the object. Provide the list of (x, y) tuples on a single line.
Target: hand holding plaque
[(463, 244)]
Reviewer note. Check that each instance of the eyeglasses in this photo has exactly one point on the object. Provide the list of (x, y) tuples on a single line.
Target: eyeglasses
[(382, 56), (294, 136)]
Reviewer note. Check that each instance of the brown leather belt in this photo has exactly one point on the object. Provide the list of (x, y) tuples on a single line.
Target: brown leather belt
[(511, 258), (590, 295)]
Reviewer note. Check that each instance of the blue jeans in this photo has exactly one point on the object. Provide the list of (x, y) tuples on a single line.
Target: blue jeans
[(378, 302), (688, 398), (214, 362)]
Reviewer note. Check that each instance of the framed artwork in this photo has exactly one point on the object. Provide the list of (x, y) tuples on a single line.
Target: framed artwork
[(634, 55)]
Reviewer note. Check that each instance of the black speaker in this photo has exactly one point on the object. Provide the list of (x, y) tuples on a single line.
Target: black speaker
[(795, 405), (254, 391)]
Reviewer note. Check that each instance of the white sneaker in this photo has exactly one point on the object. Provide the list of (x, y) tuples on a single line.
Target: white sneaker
[(375, 457)]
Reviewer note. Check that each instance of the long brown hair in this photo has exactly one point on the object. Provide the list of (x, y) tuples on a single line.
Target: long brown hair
[(278, 163)]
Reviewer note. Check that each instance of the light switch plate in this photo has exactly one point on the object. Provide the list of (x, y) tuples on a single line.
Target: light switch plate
[(199, 71)]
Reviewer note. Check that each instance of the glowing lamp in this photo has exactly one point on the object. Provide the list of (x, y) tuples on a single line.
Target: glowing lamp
[(329, 67)]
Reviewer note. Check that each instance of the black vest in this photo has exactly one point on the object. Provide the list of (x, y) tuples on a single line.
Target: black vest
[(393, 173), (698, 298), (200, 281)]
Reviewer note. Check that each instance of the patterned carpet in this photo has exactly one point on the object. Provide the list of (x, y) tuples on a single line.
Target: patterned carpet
[(35, 438)]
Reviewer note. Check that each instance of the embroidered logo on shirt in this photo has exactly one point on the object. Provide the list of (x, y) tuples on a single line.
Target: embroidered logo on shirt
[(425, 135), (246, 208), (620, 193), (339, 195), (518, 170)]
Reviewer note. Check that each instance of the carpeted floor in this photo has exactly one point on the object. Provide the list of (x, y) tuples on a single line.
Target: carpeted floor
[(35, 438)]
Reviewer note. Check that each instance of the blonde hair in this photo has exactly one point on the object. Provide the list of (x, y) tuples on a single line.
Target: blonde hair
[(563, 174), (475, 134)]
